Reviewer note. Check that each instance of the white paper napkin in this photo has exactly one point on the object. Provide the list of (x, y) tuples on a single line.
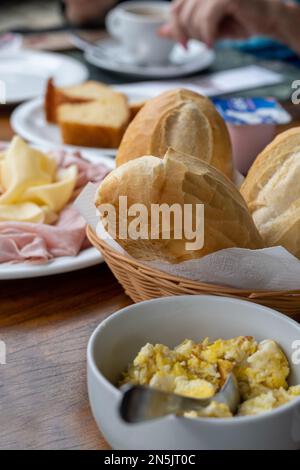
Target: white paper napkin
[(228, 81)]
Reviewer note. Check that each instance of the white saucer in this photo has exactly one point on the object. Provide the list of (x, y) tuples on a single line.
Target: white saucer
[(25, 73), (28, 120), (111, 56)]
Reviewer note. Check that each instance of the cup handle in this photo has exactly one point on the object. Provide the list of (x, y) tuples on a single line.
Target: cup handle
[(114, 23)]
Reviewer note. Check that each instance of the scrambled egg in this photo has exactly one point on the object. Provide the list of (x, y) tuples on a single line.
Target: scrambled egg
[(266, 369), (268, 401), (199, 370)]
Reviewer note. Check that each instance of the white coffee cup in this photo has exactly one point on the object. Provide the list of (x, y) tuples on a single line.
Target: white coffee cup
[(135, 25)]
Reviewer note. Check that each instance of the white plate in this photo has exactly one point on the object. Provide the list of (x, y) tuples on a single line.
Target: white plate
[(10, 42), (28, 120), (112, 57), (25, 73), (63, 264)]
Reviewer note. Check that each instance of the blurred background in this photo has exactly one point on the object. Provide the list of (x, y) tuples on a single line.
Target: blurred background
[(17, 14)]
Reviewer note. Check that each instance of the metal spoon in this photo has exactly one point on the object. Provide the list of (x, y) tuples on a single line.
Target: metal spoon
[(100, 51), (141, 403)]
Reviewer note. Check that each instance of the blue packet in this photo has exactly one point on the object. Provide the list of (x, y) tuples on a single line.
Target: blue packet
[(251, 111)]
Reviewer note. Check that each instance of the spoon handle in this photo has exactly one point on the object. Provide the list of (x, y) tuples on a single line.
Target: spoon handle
[(144, 403)]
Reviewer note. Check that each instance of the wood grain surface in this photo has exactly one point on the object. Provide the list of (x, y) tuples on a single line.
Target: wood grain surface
[(46, 324)]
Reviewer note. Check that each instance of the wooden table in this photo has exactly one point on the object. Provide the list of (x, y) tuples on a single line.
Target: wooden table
[(46, 324)]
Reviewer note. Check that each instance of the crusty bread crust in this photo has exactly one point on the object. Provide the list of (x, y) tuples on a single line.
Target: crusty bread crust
[(91, 135), (183, 120), (49, 103), (55, 97), (272, 191), (180, 179), (135, 108)]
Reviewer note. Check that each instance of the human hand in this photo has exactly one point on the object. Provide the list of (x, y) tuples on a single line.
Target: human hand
[(210, 20)]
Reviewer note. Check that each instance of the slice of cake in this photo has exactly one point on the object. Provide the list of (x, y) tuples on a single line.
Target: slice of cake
[(86, 92), (100, 123), (135, 107)]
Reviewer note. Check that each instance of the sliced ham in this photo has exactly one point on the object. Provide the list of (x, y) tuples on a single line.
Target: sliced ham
[(39, 243)]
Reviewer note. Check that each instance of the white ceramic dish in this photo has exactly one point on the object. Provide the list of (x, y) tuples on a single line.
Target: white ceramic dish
[(170, 320), (127, 22), (86, 258), (25, 73), (10, 42), (64, 264), (28, 120), (111, 56)]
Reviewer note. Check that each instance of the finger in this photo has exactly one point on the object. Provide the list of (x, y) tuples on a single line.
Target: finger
[(210, 21), (179, 33), (186, 18), (177, 5), (165, 31), (172, 30), (232, 29)]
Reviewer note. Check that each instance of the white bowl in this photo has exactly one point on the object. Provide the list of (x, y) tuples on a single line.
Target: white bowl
[(170, 320)]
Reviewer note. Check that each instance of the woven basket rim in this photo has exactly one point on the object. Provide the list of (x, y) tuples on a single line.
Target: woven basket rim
[(252, 293)]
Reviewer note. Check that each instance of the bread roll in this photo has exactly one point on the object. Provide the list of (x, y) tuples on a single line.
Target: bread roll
[(179, 179), (272, 192), (183, 120)]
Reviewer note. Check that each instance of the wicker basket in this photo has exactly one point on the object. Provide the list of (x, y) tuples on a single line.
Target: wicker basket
[(143, 283)]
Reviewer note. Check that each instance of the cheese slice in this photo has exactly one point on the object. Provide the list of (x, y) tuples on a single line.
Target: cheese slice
[(32, 188)]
